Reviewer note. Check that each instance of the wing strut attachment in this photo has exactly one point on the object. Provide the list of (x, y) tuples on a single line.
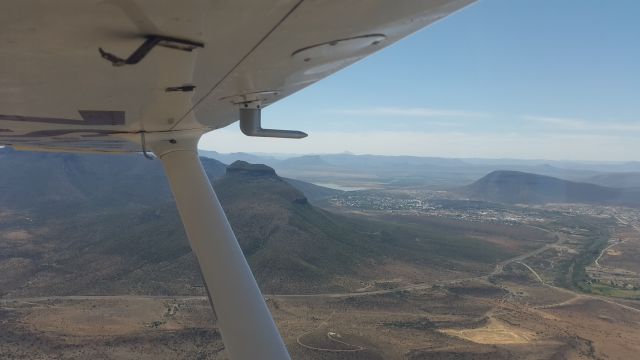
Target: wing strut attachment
[(244, 320)]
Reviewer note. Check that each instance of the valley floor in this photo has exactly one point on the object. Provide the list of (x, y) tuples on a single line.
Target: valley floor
[(512, 312), (572, 296), (472, 319)]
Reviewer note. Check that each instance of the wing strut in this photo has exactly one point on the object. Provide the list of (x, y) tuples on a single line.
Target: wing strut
[(246, 325)]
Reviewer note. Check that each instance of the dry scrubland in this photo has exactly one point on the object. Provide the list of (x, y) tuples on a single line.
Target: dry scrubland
[(511, 311), (469, 320)]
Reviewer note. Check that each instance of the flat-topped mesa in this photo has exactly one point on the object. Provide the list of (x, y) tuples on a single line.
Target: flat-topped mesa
[(244, 168), (265, 183)]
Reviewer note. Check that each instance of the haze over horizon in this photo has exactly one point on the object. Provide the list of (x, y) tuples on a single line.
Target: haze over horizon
[(489, 82), (287, 155)]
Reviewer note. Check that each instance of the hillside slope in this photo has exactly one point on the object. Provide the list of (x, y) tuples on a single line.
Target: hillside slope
[(102, 247), (37, 179)]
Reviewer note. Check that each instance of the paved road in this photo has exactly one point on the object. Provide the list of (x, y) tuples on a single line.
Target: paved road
[(5, 301)]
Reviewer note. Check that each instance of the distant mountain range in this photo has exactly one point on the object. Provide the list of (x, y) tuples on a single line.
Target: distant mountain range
[(437, 173), (616, 180), (99, 224), (109, 180), (37, 179), (514, 187)]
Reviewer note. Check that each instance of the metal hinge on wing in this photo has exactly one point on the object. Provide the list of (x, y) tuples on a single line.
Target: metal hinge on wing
[(251, 123), (150, 42)]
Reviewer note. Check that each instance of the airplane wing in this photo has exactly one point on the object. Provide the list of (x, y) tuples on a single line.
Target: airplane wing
[(104, 75), (95, 75)]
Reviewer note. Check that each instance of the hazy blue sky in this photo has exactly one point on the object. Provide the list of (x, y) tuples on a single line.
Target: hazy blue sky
[(554, 79)]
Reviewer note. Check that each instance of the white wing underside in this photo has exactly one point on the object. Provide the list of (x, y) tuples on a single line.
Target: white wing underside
[(57, 93)]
